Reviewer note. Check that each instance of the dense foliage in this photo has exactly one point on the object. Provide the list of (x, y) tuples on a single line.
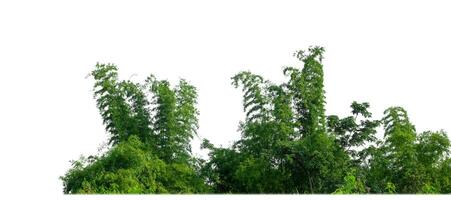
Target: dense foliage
[(288, 143), (150, 139)]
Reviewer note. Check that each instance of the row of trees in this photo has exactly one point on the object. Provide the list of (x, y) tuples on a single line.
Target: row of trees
[(288, 144)]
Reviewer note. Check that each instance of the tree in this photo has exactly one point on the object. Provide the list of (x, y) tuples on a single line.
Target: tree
[(395, 161), (317, 164), (409, 161), (175, 119), (150, 150), (308, 91), (433, 161), (284, 145), (111, 101)]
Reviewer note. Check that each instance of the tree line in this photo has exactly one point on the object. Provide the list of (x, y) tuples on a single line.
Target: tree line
[(288, 144)]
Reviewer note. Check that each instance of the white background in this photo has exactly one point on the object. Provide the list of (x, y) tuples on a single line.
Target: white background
[(384, 52)]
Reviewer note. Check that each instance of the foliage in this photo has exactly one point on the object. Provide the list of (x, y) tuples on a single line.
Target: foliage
[(390, 188), (288, 144), (175, 120), (411, 162), (352, 133), (284, 146), (150, 150), (351, 185)]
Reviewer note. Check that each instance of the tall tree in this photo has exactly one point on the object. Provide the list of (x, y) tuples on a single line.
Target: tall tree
[(284, 145), (307, 87), (175, 119), (150, 141), (111, 101), (317, 163)]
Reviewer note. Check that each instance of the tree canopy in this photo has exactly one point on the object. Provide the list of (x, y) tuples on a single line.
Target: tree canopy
[(288, 144)]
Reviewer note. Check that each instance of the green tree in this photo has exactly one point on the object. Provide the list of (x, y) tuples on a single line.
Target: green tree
[(396, 161), (175, 118), (411, 162), (317, 164), (111, 101), (284, 145), (150, 150)]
